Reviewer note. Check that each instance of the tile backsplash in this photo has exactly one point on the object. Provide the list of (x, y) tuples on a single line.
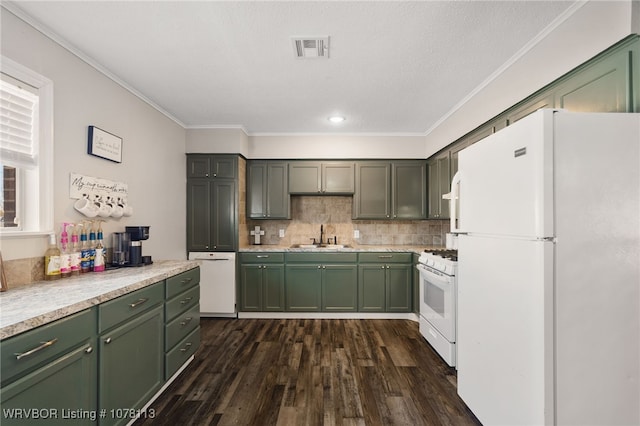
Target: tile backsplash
[(334, 212)]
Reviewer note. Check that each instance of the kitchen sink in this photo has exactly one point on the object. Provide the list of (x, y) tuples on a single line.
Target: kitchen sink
[(321, 246)]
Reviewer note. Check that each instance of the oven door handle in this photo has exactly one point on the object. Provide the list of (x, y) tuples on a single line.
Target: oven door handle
[(442, 282)]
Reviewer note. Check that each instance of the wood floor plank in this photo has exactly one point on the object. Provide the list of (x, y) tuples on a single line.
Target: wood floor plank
[(291, 372)]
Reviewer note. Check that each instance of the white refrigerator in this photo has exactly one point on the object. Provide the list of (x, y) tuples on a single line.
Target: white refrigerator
[(548, 271)]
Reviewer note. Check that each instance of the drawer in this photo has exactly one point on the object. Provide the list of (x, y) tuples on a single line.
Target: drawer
[(125, 307), (45, 343), (178, 328), (262, 257), (181, 282), (181, 302), (181, 352), (385, 257), (322, 257)]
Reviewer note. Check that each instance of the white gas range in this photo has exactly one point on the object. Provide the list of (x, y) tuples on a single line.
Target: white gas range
[(438, 301)]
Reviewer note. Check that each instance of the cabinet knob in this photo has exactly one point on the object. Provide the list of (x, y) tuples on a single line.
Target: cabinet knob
[(206, 175), (319, 266), (387, 215), (88, 350), (382, 267), (215, 174), (107, 340)]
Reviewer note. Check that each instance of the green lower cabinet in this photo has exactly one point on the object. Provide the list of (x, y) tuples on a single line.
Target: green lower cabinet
[(371, 288), (303, 288), (63, 392), (131, 365), (385, 287), (261, 287), (398, 290), (339, 288)]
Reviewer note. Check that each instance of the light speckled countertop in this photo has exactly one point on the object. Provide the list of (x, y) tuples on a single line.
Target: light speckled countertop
[(351, 249), (30, 306)]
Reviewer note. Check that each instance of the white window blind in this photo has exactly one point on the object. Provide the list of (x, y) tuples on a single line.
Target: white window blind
[(18, 125)]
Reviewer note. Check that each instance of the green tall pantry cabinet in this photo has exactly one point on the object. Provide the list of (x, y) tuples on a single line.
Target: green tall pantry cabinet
[(212, 202)]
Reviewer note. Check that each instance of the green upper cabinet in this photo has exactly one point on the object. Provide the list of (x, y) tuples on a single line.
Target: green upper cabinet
[(212, 204), (439, 179), (604, 86), (390, 190), (314, 177), (409, 187), (267, 190), (211, 166), (372, 199)]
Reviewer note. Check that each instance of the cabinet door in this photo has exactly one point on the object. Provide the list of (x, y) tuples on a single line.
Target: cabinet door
[(257, 190), (198, 214), (398, 289), (224, 227), (544, 100), (305, 177), (338, 178), (439, 181), (303, 288), (277, 193), (372, 199), (250, 287), (131, 366), (601, 87), (371, 288), (339, 288), (198, 166), (273, 287), (224, 166), (410, 190), (66, 384)]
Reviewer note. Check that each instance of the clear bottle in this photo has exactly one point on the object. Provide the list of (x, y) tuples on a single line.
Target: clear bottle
[(99, 252), (52, 260), (65, 254)]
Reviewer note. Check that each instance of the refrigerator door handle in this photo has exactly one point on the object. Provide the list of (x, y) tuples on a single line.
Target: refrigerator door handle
[(455, 195)]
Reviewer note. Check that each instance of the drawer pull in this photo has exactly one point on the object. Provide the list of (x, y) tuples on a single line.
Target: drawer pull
[(186, 300), (186, 321), (139, 302), (388, 256), (186, 280), (39, 348), (262, 256), (186, 347)]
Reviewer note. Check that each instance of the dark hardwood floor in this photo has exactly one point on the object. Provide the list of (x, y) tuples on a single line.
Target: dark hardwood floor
[(312, 372)]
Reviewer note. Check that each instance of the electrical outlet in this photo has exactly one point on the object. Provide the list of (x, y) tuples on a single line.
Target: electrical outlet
[(281, 233), (356, 233)]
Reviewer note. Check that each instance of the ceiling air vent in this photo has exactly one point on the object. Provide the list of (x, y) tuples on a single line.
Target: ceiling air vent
[(310, 47)]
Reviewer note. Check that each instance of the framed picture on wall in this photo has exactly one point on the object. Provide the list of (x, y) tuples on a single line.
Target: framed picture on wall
[(104, 145)]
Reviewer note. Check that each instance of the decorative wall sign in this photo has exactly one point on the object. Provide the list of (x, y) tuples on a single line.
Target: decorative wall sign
[(81, 186), (99, 197), (104, 145)]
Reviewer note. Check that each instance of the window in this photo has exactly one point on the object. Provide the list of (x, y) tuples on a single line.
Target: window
[(26, 150)]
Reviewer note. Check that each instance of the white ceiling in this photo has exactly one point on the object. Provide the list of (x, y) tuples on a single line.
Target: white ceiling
[(395, 67)]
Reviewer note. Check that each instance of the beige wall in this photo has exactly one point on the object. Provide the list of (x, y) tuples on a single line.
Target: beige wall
[(153, 162)]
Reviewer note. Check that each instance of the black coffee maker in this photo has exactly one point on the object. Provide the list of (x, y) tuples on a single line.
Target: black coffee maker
[(136, 235)]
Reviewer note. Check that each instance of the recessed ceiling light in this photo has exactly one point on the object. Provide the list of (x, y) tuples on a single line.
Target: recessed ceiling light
[(336, 119)]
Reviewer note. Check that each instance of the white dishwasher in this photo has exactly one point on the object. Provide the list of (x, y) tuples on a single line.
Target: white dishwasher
[(217, 283)]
